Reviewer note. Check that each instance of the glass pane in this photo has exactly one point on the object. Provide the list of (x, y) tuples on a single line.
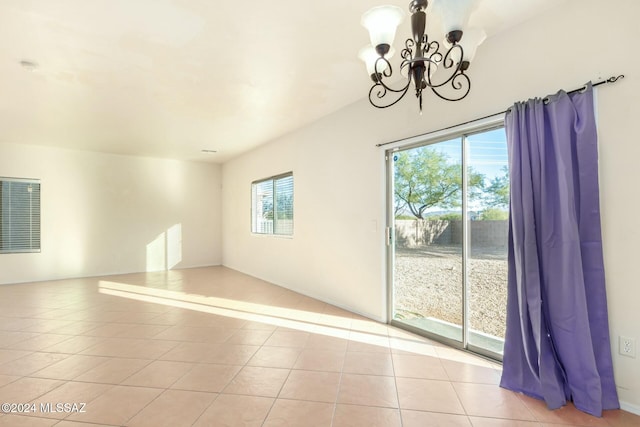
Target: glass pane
[(19, 216), (428, 238), (488, 205), (262, 194), (284, 205)]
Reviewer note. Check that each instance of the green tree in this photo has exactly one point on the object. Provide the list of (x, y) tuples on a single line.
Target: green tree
[(426, 178), (497, 193), (494, 214)]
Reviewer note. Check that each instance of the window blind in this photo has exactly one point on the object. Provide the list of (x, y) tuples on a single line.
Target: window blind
[(272, 205), (19, 215)]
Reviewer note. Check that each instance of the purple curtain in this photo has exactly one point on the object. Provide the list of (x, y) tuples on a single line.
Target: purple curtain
[(557, 339)]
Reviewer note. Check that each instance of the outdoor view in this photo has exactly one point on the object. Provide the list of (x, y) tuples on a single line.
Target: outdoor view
[(428, 203)]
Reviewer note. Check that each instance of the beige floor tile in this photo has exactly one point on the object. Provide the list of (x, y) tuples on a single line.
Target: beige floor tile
[(318, 341), (259, 326), (9, 338), (6, 379), (568, 414), (288, 339), (7, 355), (296, 413), (428, 395), (249, 337), (134, 348), (40, 342), (497, 422), (190, 352), (26, 421), (465, 373), (368, 363), (484, 400), (258, 381), (207, 377), (412, 347), (65, 423), (192, 333), (128, 401), (31, 363), (433, 419), (619, 418), (231, 354), (44, 326), (368, 390), (366, 416), (159, 374), (320, 360), (72, 393), (27, 389), (173, 408), (113, 371), (275, 357), (425, 367), (108, 330), (235, 410), (142, 331), (311, 385), (75, 328), (74, 345), (367, 343), (70, 367)]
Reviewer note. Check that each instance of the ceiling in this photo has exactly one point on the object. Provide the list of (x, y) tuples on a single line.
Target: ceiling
[(170, 78)]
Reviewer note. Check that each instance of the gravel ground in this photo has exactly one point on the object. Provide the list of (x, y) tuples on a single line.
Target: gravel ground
[(429, 284)]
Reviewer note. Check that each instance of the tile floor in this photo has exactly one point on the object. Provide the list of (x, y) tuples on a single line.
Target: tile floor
[(213, 347)]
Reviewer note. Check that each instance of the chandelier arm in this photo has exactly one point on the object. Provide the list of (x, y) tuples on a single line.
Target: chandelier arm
[(380, 90), (387, 73), (457, 85), (447, 62)]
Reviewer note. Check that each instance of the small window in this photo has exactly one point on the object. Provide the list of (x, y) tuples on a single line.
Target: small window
[(272, 205), (19, 215)]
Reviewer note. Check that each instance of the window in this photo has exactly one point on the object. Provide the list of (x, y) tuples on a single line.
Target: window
[(19, 215), (272, 205)]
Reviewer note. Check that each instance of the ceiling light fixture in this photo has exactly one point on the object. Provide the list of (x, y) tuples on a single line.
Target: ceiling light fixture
[(427, 63), (28, 65)]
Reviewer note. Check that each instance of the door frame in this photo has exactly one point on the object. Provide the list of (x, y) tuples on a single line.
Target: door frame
[(463, 130)]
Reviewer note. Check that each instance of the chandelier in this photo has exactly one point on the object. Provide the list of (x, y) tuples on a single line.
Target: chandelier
[(439, 66)]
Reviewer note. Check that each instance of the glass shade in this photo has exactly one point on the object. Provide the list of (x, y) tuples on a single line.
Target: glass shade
[(369, 55), (382, 22), (471, 39), (454, 14)]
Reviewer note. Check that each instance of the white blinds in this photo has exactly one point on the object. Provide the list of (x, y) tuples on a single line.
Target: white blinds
[(19, 215), (283, 205), (272, 205)]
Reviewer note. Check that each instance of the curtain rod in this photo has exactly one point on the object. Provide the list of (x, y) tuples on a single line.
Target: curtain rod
[(609, 80)]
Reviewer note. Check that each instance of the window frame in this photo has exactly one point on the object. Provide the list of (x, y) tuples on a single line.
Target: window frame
[(35, 229), (271, 231)]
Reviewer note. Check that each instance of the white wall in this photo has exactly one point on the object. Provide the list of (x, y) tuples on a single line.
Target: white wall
[(107, 214), (337, 252)]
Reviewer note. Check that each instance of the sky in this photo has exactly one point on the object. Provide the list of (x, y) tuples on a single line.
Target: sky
[(487, 154)]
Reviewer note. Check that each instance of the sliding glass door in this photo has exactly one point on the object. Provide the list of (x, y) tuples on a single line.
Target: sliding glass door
[(448, 201)]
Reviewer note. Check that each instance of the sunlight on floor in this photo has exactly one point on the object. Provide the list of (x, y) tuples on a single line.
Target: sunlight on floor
[(360, 330)]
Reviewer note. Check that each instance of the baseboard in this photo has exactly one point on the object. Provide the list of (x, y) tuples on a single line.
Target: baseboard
[(634, 409)]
